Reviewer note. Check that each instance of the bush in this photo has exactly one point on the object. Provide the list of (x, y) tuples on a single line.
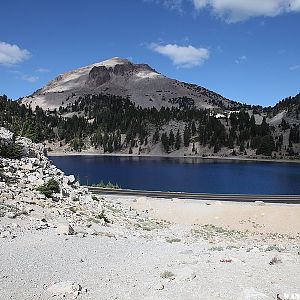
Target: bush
[(167, 274), (108, 185), (103, 217), (52, 186), (12, 151), (3, 177)]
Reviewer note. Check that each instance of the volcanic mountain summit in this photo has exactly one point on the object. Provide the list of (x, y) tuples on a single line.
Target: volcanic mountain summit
[(117, 76)]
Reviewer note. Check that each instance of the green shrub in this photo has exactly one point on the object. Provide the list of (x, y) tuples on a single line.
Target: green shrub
[(108, 185), (103, 217), (52, 186), (12, 151), (167, 274)]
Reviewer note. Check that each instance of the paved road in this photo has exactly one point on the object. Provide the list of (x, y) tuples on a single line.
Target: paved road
[(295, 199)]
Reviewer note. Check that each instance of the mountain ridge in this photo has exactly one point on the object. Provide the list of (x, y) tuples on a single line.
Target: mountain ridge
[(141, 83)]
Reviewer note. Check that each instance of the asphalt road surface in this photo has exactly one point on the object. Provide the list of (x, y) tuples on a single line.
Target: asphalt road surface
[(291, 199)]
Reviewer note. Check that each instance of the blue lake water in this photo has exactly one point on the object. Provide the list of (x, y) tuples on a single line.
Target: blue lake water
[(185, 174)]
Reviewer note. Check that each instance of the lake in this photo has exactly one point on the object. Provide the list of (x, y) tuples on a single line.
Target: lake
[(185, 174)]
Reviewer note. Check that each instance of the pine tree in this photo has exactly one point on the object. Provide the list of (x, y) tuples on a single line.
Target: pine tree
[(186, 136), (178, 140), (171, 138), (266, 146), (253, 129), (193, 128), (165, 142), (242, 147), (264, 127), (217, 148), (156, 136)]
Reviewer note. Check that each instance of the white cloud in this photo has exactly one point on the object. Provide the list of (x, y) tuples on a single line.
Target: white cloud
[(182, 56), (29, 78), (23, 76), (294, 68), (241, 59), (294, 5), (12, 54), (239, 10)]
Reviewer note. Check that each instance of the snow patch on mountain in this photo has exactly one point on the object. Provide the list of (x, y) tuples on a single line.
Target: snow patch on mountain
[(147, 74)]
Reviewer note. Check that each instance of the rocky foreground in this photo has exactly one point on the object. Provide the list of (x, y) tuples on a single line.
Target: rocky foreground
[(74, 245)]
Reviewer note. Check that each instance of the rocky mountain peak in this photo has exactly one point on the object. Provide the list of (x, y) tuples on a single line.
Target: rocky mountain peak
[(103, 72), (121, 77)]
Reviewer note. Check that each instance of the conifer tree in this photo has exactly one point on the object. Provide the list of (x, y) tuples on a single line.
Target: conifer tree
[(156, 136), (171, 139), (178, 140), (186, 136), (165, 142)]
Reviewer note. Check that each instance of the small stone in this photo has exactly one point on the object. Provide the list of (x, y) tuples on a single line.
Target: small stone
[(63, 289), (65, 229), (160, 287), (27, 167), (11, 215), (32, 178), (185, 274), (71, 179), (253, 294)]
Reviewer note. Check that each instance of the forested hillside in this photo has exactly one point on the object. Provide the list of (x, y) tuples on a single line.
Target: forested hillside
[(105, 123)]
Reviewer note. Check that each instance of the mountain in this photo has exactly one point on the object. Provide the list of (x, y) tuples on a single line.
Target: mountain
[(116, 106), (117, 76)]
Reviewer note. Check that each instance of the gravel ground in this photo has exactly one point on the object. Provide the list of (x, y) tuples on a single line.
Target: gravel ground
[(157, 261)]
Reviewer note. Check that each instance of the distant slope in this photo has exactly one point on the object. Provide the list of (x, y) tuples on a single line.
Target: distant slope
[(113, 124), (290, 105), (142, 84)]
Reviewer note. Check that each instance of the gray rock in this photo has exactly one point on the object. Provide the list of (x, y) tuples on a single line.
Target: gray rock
[(185, 274), (32, 178), (71, 179), (253, 294), (11, 215), (62, 289), (5, 136), (27, 167), (98, 76), (65, 229)]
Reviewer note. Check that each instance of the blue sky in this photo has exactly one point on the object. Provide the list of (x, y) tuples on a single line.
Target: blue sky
[(243, 49)]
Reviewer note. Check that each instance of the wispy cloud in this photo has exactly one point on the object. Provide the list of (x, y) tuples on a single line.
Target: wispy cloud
[(238, 10), (294, 67), (182, 56), (241, 59), (171, 4), (42, 70), (12, 54), (25, 77)]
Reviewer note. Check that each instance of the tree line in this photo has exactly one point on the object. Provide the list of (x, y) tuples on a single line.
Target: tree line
[(103, 119)]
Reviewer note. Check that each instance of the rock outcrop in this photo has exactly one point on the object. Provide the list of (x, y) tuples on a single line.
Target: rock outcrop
[(69, 207), (5, 136), (98, 76)]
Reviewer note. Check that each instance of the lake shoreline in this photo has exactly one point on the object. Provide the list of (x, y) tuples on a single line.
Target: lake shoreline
[(217, 158)]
